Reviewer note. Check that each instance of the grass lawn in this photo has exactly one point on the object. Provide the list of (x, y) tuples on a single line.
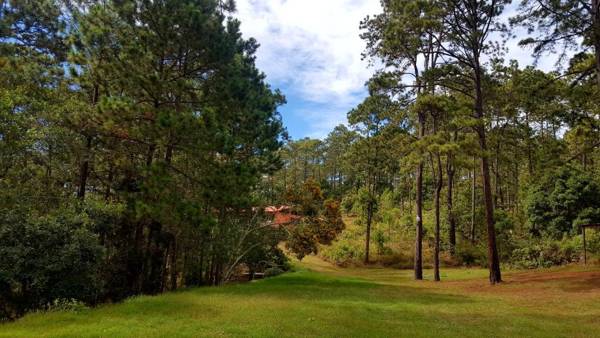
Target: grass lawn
[(322, 300)]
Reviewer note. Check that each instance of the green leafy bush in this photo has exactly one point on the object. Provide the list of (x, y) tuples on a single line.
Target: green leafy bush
[(471, 255), (348, 202), (62, 304), (45, 260), (561, 201), (544, 253), (274, 271), (344, 252)]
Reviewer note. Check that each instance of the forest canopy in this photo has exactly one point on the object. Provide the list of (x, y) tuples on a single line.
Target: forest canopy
[(141, 148), (133, 136)]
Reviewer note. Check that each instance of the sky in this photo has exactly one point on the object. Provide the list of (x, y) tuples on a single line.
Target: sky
[(311, 51)]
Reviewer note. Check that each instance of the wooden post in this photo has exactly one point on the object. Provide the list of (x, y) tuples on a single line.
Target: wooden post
[(584, 248)]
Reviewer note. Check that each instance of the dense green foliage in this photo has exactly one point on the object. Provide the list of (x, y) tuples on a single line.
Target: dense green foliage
[(134, 136), (561, 201), (50, 258)]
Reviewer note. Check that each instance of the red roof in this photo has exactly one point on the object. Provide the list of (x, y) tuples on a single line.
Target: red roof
[(282, 215)]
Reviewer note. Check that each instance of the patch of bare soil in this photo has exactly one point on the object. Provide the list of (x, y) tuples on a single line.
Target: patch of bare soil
[(565, 289)]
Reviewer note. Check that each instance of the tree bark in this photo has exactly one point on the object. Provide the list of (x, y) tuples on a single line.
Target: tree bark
[(84, 169), (368, 237), (493, 259), (109, 182), (418, 267), (596, 27), (450, 206), (473, 196), (498, 190), (438, 191), (173, 263)]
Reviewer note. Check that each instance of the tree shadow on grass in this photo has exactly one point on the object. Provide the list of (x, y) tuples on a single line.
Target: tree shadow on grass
[(568, 281), (591, 283), (305, 285)]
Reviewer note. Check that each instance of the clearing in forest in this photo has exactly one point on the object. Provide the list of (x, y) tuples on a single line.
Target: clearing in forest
[(323, 300)]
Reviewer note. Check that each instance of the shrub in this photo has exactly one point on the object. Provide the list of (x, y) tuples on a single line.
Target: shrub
[(46, 259), (561, 201), (272, 272), (61, 304), (544, 253), (348, 202), (471, 255), (397, 260), (344, 251)]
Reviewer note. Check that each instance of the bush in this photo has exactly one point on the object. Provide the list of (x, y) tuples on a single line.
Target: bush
[(545, 253), (272, 272), (344, 251), (397, 260), (44, 260), (71, 305), (471, 255), (561, 201), (348, 202)]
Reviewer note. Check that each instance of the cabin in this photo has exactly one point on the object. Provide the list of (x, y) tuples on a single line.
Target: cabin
[(282, 215)]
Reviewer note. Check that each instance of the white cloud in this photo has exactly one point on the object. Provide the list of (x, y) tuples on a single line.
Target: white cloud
[(312, 48)]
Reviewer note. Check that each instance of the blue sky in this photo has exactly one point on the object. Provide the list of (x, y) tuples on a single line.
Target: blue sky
[(311, 51)]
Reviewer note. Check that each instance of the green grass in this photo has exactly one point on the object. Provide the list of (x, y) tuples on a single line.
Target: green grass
[(358, 302)]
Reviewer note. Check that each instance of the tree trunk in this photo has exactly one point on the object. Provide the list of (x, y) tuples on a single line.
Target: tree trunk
[(419, 210), (497, 194), (84, 169), (173, 263), (109, 182), (368, 237), (449, 203), (473, 197), (529, 151), (596, 27), (438, 191), (493, 259)]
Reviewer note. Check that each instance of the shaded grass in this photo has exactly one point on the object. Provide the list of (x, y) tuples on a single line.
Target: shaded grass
[(358, 302)]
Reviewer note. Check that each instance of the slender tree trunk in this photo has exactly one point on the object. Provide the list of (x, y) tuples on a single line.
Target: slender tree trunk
[(596, 26), (150, 155), (493, 259), (109, 182), (473, 198), (173, 263), (497, 194), (449, 203), (368, 237), (84, 168), (284, 179), (517, 187), (419, 209), (529, 151), (438, 191), (169, 155)]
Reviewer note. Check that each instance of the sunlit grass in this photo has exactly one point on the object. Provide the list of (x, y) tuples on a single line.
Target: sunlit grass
[(333, 302)]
